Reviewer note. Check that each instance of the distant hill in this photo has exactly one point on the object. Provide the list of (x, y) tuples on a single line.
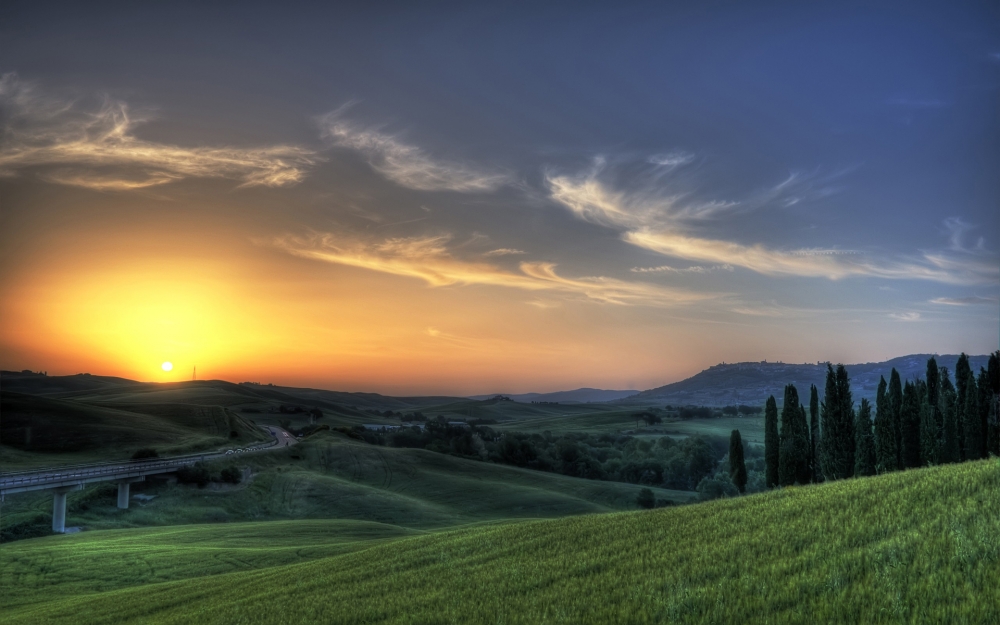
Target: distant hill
[(752, 382), (578, 396)]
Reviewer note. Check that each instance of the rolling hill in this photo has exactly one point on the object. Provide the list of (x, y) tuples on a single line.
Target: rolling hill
[(331, 476), (46, 431), (916, 546)]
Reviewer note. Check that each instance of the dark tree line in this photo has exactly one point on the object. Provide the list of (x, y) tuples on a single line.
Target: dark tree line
[(664, 462), (916, 423)]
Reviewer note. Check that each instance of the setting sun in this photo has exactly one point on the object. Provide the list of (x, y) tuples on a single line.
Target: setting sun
[(167, 366)]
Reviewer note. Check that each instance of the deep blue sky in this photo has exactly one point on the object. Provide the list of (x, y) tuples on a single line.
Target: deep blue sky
[(709, 181)]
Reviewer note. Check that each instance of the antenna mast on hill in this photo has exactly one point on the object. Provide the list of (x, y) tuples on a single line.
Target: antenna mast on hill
[(194, 373)]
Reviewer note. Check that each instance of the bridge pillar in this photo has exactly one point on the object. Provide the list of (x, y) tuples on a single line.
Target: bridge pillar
[(123, 490), (59, 507)]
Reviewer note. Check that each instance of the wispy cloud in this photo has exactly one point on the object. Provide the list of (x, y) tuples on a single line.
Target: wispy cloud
[(406, 164), (504, 251), (651, 198), (905, 316), (671, 160), (972, 300), (693, 269), (430, 260), (656, 219), (98, 149)]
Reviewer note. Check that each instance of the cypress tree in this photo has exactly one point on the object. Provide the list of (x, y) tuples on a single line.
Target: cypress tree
[(993, 433), (864, 457), (895, 402), (803, 470), (933, 401), (972, 428), (993, 371), (837, 417), (737, 464), (993, 412), (949, 431), (885, 441), (771, 453), (814, 433), (928, 431), (910, 425), (847, 417), (962, 371), (787, 446), (983, 402)]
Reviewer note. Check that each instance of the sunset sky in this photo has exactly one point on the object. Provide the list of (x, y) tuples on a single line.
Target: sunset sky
[(507, 198)]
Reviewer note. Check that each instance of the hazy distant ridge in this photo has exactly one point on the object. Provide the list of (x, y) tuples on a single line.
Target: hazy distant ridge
[(752, 382), (580, 395)]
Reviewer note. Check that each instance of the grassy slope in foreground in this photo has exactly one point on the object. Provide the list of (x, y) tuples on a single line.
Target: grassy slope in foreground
[(919, 546)]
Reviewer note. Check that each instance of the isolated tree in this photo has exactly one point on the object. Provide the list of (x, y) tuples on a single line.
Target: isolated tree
[(895, 400), (864, 455), (838, 425), (737, 464), (972, 427), (910, 425), (771, 453), (949, 415), (962, 371), (885, 440), (814, 433)]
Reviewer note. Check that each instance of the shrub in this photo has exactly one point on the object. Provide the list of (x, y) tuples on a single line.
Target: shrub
[(716, 487), (645, 499), (231, 475), (196, 474)]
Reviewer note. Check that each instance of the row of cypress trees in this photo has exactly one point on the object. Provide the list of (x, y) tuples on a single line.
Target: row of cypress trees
[(916, 423)]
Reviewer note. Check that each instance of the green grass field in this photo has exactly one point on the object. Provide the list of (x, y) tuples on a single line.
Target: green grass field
[(920, 546), (331, 476)]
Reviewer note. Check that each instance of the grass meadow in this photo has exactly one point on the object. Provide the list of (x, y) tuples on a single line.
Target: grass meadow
[(331, 476), (917, 546)]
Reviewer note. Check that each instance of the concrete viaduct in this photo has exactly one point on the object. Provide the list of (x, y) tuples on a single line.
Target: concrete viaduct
[(70, 478)]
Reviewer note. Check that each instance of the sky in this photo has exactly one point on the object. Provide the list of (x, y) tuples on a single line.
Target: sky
[(500, 197)]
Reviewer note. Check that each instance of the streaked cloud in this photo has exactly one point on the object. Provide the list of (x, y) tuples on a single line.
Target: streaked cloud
[(670, 224), (97, 148), (504, 251), (972, 300), (905, 316), (693, 269), (429, 259), (671, 159), (406, 164)]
